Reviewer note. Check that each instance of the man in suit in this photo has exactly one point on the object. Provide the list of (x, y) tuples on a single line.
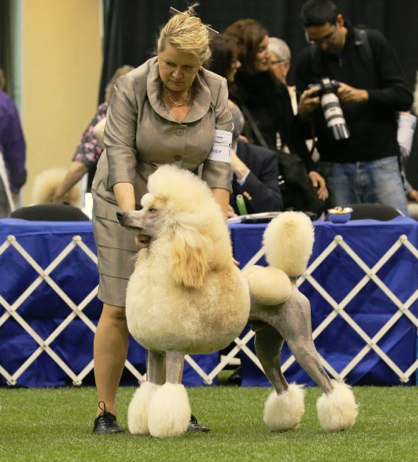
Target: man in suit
[(255, 185)]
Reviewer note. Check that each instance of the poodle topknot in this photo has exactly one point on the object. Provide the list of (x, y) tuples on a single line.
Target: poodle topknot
[(190, 203)]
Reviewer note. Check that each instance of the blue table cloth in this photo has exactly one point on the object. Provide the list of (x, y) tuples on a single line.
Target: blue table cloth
[(44, 309), (371, 308), (337, 274)]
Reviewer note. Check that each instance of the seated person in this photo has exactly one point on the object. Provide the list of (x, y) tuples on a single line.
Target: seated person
[(255, 174)]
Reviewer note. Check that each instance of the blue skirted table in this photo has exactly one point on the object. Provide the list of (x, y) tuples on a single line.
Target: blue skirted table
[(49, 309), (362, 282)]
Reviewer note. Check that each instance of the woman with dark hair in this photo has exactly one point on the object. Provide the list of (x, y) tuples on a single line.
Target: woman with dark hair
[(224, 58), (256, 90), (267, 108), (255, 170)]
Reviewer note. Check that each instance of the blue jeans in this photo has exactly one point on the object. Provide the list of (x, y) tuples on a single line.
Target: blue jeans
[(365, 182)]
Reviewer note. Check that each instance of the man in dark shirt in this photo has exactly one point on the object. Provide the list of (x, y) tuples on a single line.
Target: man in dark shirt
[(363, 168)]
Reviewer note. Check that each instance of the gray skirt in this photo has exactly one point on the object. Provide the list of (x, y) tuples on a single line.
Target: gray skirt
[(116, 248), (115, 263)]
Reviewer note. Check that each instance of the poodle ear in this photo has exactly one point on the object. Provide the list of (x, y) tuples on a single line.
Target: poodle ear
[(190, 257)]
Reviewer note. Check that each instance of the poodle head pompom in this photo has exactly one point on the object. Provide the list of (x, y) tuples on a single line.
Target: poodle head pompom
[(288, 242)]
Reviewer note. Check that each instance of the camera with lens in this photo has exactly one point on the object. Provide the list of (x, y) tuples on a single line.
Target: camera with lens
[(334, 117)]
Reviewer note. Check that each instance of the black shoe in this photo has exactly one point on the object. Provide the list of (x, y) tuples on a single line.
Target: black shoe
[(235, 378), (105, 423), (195, 427)]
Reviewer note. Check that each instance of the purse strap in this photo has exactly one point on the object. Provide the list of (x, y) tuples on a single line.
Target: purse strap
[(254, 127)]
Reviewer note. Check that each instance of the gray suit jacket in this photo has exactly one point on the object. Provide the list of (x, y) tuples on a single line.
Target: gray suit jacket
[(140, 134)]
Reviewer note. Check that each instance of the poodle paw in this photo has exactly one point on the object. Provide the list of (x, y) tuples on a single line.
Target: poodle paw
[(169, 411), (338, 409), (138, 409), (285, 411)]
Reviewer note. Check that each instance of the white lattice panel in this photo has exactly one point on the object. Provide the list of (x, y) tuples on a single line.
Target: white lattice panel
[(45, 345)]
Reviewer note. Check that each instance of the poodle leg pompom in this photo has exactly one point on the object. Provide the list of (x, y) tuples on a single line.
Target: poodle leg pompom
[(138, 409), (285, 411), (337, 410), (169, 411)]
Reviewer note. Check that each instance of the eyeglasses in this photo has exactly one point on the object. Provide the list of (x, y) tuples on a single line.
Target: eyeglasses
[(327, 39), (278, 62)]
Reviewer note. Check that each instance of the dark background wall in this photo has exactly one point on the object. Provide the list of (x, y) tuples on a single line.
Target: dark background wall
[(132, 26)]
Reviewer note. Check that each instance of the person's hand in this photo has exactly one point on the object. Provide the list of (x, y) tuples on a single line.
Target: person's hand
[(231, 212), (412, 195), (243, 138), (308, 103), (319, 183), (234, 159), (351, 95), (237, 165), (57, 199)]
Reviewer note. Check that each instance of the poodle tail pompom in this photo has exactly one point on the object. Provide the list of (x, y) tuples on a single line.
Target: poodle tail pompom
[(288, 241)]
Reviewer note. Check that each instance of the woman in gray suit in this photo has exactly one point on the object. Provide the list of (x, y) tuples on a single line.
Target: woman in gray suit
[(167, 111)]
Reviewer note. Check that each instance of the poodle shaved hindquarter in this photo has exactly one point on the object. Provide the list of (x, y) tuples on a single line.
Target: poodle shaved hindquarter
[(184, 296), (281, 313)]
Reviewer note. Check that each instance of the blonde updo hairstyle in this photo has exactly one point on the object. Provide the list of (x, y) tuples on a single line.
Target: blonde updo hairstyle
[(186, 32)]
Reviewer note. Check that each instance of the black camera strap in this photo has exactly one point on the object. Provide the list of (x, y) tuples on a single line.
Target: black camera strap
[(361, 40)]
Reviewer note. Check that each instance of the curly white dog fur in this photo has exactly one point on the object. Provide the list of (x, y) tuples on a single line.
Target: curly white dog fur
[(279, 312), (185, 295), (46, 183)]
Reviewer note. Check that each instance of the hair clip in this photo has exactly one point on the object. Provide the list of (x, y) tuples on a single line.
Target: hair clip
[(173, 12)]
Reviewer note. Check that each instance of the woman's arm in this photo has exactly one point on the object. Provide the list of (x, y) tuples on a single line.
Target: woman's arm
[(222, 198), (76, 171), (125, 195)]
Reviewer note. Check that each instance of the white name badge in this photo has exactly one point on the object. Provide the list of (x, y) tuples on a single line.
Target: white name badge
[(221, 146)]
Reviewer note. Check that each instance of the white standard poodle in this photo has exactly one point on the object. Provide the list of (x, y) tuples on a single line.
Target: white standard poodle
[(280, 313), (184, 296)]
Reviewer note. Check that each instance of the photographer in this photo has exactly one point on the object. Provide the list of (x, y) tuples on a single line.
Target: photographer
[(361, 166)]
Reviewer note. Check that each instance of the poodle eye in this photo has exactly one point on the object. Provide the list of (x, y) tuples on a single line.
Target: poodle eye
[(152, 209)]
